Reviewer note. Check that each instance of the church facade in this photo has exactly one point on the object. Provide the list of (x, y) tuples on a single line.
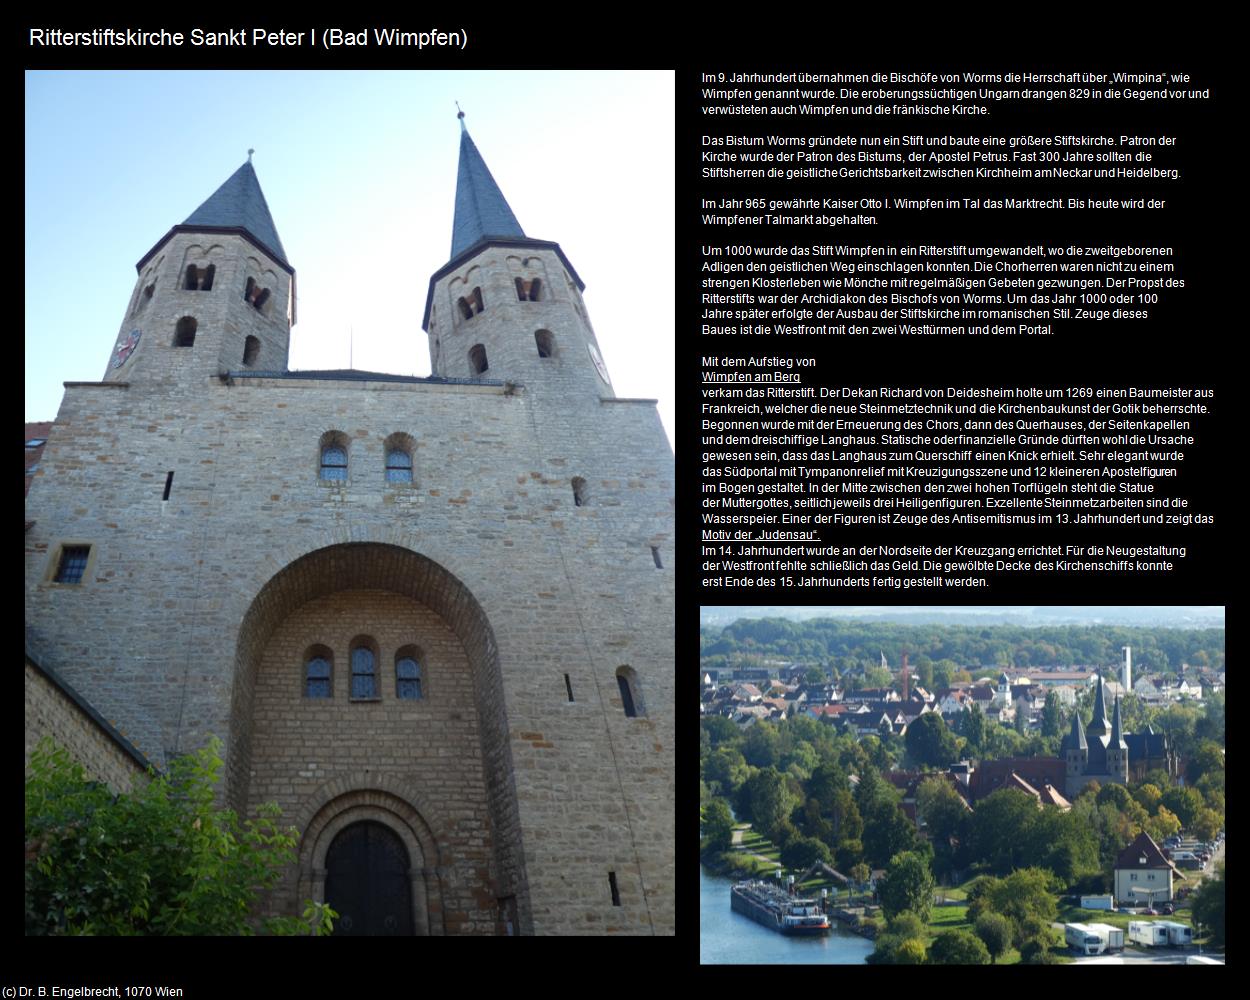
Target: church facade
[(430, 617), (1096, 752)]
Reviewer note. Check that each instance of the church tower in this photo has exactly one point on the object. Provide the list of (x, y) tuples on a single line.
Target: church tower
[(1075, 751), (506, 307), (1117, 749), (215, 294)]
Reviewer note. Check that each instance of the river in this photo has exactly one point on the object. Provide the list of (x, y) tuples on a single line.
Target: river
[(726, 937)]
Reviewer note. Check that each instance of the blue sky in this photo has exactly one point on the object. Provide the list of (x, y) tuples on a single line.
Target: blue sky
[(359, 171)]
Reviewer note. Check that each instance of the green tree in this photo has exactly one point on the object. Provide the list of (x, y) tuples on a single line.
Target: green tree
[(995, 931), (718, 825), (1148, 796), (1001, 828), (976, 729), (902, 942), (802, 852), (908, 885), (1209, 905), (958, 948), (1052, 716), (887, 832), (1206, 759), (726, 768), (946, 819), (1207, 824), (158, 860), (1185, 803), (1024, 893), (1162, 824), (930, 742), (762, 747), (769, 800)]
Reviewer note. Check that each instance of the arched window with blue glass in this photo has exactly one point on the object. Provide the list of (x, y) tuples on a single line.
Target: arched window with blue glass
[(333, 451), (399, 449), (409, 674), (364, 661), (318, 673)]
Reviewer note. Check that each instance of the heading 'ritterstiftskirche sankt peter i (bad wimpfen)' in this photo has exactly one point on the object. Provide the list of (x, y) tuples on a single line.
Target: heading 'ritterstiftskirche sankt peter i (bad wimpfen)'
[(432, 618)]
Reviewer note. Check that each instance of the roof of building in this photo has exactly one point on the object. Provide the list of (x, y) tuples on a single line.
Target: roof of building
[(482, 211), (240, 204), (1144, 853)]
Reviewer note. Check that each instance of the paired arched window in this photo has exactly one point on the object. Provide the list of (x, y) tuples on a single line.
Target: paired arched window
[(333, 456), (364, 660), (408, 674), (256, 296), (546, 343), (477, 359), (529, 291), (200, 278), (471, 304), (631, 692), (184, 332), (318, 673)]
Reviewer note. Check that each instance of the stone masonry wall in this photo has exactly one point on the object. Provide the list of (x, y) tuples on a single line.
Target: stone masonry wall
[(51, 712), (153, 631), (430, 747)]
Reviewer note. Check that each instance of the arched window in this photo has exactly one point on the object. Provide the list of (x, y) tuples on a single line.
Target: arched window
[(318, 673), (471, 304), (408, 674), (364, 669), (477, 359), (199, 278), (184, 332), (631, 692), (255, 295), (581, 495), (529, 291), (398, 466), (251, 350), (546, 343), (193, 281), (333, 456)]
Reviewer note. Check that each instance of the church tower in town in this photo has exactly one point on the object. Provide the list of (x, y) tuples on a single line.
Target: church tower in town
[(214, 294)]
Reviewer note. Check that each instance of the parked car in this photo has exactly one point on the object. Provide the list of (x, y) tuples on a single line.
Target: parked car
[(1167, 908)]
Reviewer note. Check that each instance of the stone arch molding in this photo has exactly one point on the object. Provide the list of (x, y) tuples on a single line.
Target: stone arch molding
[(374, 798), (385, 557)]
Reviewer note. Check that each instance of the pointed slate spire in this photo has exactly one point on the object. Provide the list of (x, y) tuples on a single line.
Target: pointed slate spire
[(240, 204), (1117, 733), (1098, 725), (1075, 740), (481, 209)]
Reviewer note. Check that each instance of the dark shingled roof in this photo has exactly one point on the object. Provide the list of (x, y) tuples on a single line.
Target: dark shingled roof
[(481, 209), (240, 204)]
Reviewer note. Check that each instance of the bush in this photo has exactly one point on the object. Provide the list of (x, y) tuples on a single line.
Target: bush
[(958, 948), (158, 860)]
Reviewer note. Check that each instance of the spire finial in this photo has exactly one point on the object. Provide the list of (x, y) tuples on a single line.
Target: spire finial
[(249, 155), (460, 115)]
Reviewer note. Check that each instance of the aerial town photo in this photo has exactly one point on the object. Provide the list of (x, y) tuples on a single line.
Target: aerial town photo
[(962, 785)]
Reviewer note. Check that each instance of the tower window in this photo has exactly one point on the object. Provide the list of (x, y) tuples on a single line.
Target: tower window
[(251, 351), (407, 674), (529, 291), (568, 686), (333, 463), (477, 359), (581, 495), (333, 456), (200, 278), (73, 564), (655, 554), (169, 484), (364, 670), (398, 467), (631, 692), (184, 332), (256, 296), (471, 304), (546, 343), (145, 297), (317, 674), (616, 893)]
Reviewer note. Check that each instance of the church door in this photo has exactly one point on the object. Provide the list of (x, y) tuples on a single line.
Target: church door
[(367, 882)]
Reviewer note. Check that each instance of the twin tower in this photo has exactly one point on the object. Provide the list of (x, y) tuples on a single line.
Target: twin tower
[(217, 296)]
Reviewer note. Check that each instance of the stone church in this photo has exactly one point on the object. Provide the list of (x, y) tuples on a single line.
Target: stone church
[(430, 617)]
